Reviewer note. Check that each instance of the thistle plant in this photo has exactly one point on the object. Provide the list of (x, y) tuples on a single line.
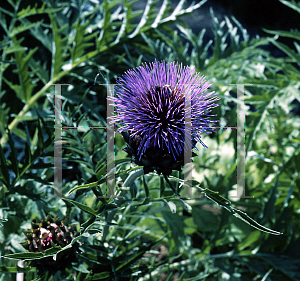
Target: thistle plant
[(122, 238), (51, 233), (162, 110)]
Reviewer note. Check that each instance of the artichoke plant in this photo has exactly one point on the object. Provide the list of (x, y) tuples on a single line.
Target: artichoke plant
[(51, 233), (157, 104)]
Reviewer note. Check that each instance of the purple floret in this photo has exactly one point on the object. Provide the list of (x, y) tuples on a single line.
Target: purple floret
[(150, 104)]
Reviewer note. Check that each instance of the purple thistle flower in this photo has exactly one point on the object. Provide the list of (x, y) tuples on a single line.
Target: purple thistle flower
[(150, 106)]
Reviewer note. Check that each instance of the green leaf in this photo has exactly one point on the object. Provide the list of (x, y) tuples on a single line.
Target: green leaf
[(82, 39), (220, 200), (31, 11), (40, 69), (145, 186), (14, 160), (40, 140), (13, 49), (104, 34), (32, 256), (46, 127), (82, 207), (161, 186), (26, 82), (160, 14), (294, 33), (243, 216), (16, 88), (41, 35), (24, 256), (186, 206), (292, 4), (84, 186), (144, 20), (28, 156), (23, 28), (20, 133), (101, 171), (59, 43), (171, 205), (291, 53), (257, 122), (98, 276), (4, 169), (213, 195)]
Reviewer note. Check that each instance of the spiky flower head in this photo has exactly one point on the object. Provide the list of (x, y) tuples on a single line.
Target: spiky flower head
[(49, 232), (163, 108)]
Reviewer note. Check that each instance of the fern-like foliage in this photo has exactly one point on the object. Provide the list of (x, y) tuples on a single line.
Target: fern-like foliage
[(72, 37), (146, 233)]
